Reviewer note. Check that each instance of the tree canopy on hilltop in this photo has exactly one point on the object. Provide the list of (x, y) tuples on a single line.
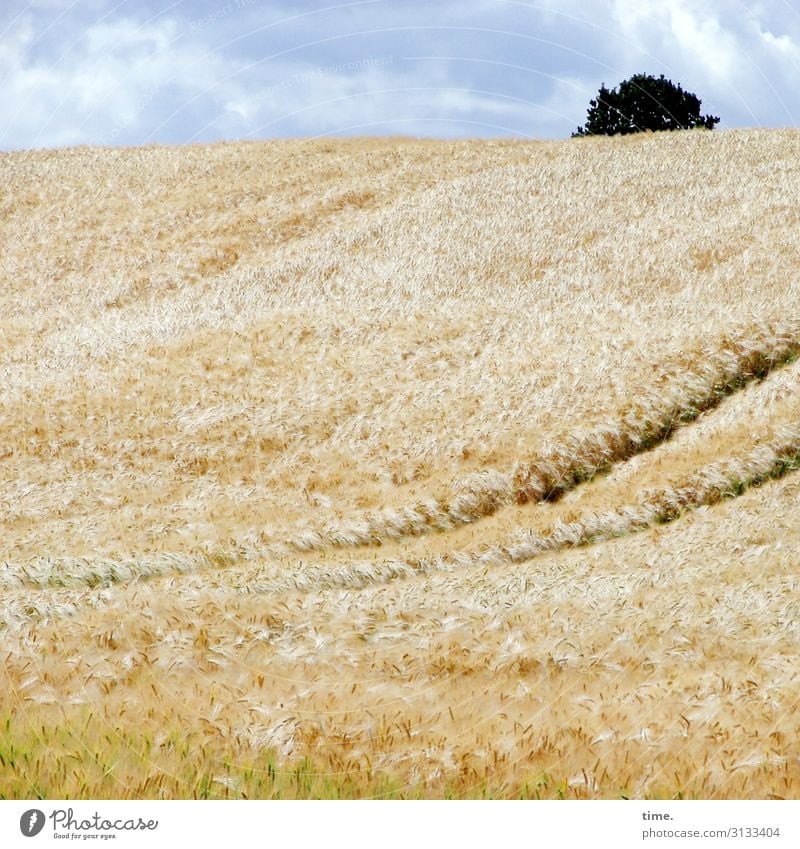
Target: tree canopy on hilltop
[(643, 103)]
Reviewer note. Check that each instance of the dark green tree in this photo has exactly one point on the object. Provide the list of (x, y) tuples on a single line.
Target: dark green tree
[(643, 103)]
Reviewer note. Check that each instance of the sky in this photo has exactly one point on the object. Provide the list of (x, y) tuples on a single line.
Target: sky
[(134, 72)]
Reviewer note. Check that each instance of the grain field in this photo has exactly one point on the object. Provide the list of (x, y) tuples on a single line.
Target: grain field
[(401, 468)]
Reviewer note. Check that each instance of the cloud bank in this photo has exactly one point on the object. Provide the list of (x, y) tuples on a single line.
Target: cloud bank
[(103, 72)]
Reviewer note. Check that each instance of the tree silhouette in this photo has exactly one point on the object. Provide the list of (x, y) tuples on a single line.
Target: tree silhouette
[(643, 103)]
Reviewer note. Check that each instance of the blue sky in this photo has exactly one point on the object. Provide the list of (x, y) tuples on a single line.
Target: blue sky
[(122, 72)]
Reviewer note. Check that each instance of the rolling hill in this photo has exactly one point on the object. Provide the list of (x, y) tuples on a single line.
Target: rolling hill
[(394, 467)]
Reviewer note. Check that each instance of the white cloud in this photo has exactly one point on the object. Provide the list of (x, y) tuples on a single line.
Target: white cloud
[(721, 50), (715, 49), (108, 87)]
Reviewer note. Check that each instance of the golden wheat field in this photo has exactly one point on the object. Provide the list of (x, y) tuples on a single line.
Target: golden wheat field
[(401, 468)]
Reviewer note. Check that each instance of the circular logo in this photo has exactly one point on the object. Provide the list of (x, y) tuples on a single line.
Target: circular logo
[(31, 822)]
